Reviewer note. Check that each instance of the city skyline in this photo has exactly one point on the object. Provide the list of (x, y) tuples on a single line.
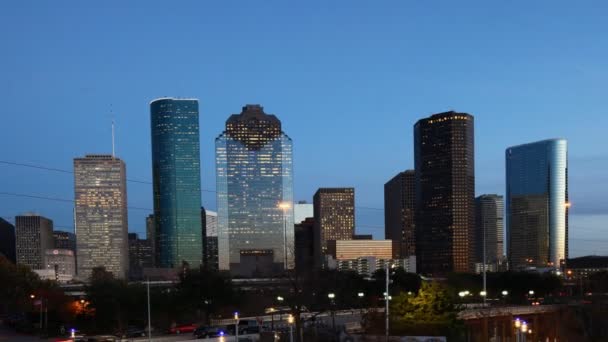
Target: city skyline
[(546, 103)]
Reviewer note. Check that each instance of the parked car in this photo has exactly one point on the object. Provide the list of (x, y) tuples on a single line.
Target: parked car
[(206, 332), (135, 332), (182, 328)]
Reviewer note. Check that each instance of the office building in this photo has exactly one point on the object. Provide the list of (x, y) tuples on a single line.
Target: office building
[(100, 215), (334, 213), (151, 237), (583, 267), (367, 266), (353, 249), (209, 219), (140, 256), (399, 208), (65, 240), (445, 193), (7, 240), (176, 178), (537, 204), (489, 227), (304, 246), (254, 195), (62, 262), (302, 211), (33, 236)]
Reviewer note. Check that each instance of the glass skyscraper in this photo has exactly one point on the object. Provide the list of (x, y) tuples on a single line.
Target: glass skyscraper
[(254, 176), (176, 175), (489, 213), (537, 204)]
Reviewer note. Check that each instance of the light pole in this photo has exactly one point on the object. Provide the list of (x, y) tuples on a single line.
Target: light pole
[(290, 321), (280, 299), (484, 264), (284, 206), (331, 297), (386, 299), (149, 315), (272, 310), (361, 295), (236, 326)]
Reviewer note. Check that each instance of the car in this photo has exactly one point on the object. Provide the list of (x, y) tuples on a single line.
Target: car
[(182, 328), (134, 332), (206, 332)]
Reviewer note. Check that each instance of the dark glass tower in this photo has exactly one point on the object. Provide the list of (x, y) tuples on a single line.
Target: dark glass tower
[(445, 193), (399, 198), (537, 204), (7, 240), (489, 213), (176, 174), (254, 177)]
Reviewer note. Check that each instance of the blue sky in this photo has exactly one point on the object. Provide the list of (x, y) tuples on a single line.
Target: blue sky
[(348, 79)]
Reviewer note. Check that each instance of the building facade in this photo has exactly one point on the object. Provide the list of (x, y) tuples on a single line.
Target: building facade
[(62, 262), (7, 240), (100, 215), (209, 219), (140, 256), (445, 193), (304, 246), (65, 240), (489, 213), (176, 178), (399, 208), (254, 194), (33, 236), (334, 213), (151, 237), (353, 249), (537, 204)]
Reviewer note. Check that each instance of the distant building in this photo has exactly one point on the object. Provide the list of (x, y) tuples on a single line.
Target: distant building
[(176, 178), (334, 213), (399, 208), (7, 240), (489, 267), (301, 211), (367, 266), (140, 256), (353, 249), (304, 246), (363, 237), (101, 223), (62, 262), (151, 237), (583, 267), (209, 219), (254, 177), (33, 236), (537, 204), (444, 159), (65, 240), (489, 211)]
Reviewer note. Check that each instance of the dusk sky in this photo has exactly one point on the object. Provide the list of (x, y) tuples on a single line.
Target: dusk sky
[(348, 80)]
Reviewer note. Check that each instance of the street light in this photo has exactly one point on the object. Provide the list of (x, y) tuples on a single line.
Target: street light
[(290, 321), (461, 294), (280, 299), (236, 326), (505, 292), (32, 296), (285, 206), (331, 297), (483, 293), (531, 293), (272, 310), (360, 294)]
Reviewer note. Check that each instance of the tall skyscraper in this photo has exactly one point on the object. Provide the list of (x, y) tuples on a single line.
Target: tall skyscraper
[(489, 215), (209, 220), (101, 225), (302, 211), (65, 240), (255, 194), (176, 175), (334, 213), (399, 198), (151, 237), (7, 240), (33, 236), (537, 204), (445, 193)]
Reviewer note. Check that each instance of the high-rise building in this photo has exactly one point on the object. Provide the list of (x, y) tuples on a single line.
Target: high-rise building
[(489, 215), (151, 237), (255, 194), (399, 208), (140, 256), (304, 246), (101, 225), (334, 213), (62, 262), (537, 204), (64, 240), (353, 249), (7, 240), (302, 211), (33, 236), (209, 220), (445, 193), (176, 175)]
